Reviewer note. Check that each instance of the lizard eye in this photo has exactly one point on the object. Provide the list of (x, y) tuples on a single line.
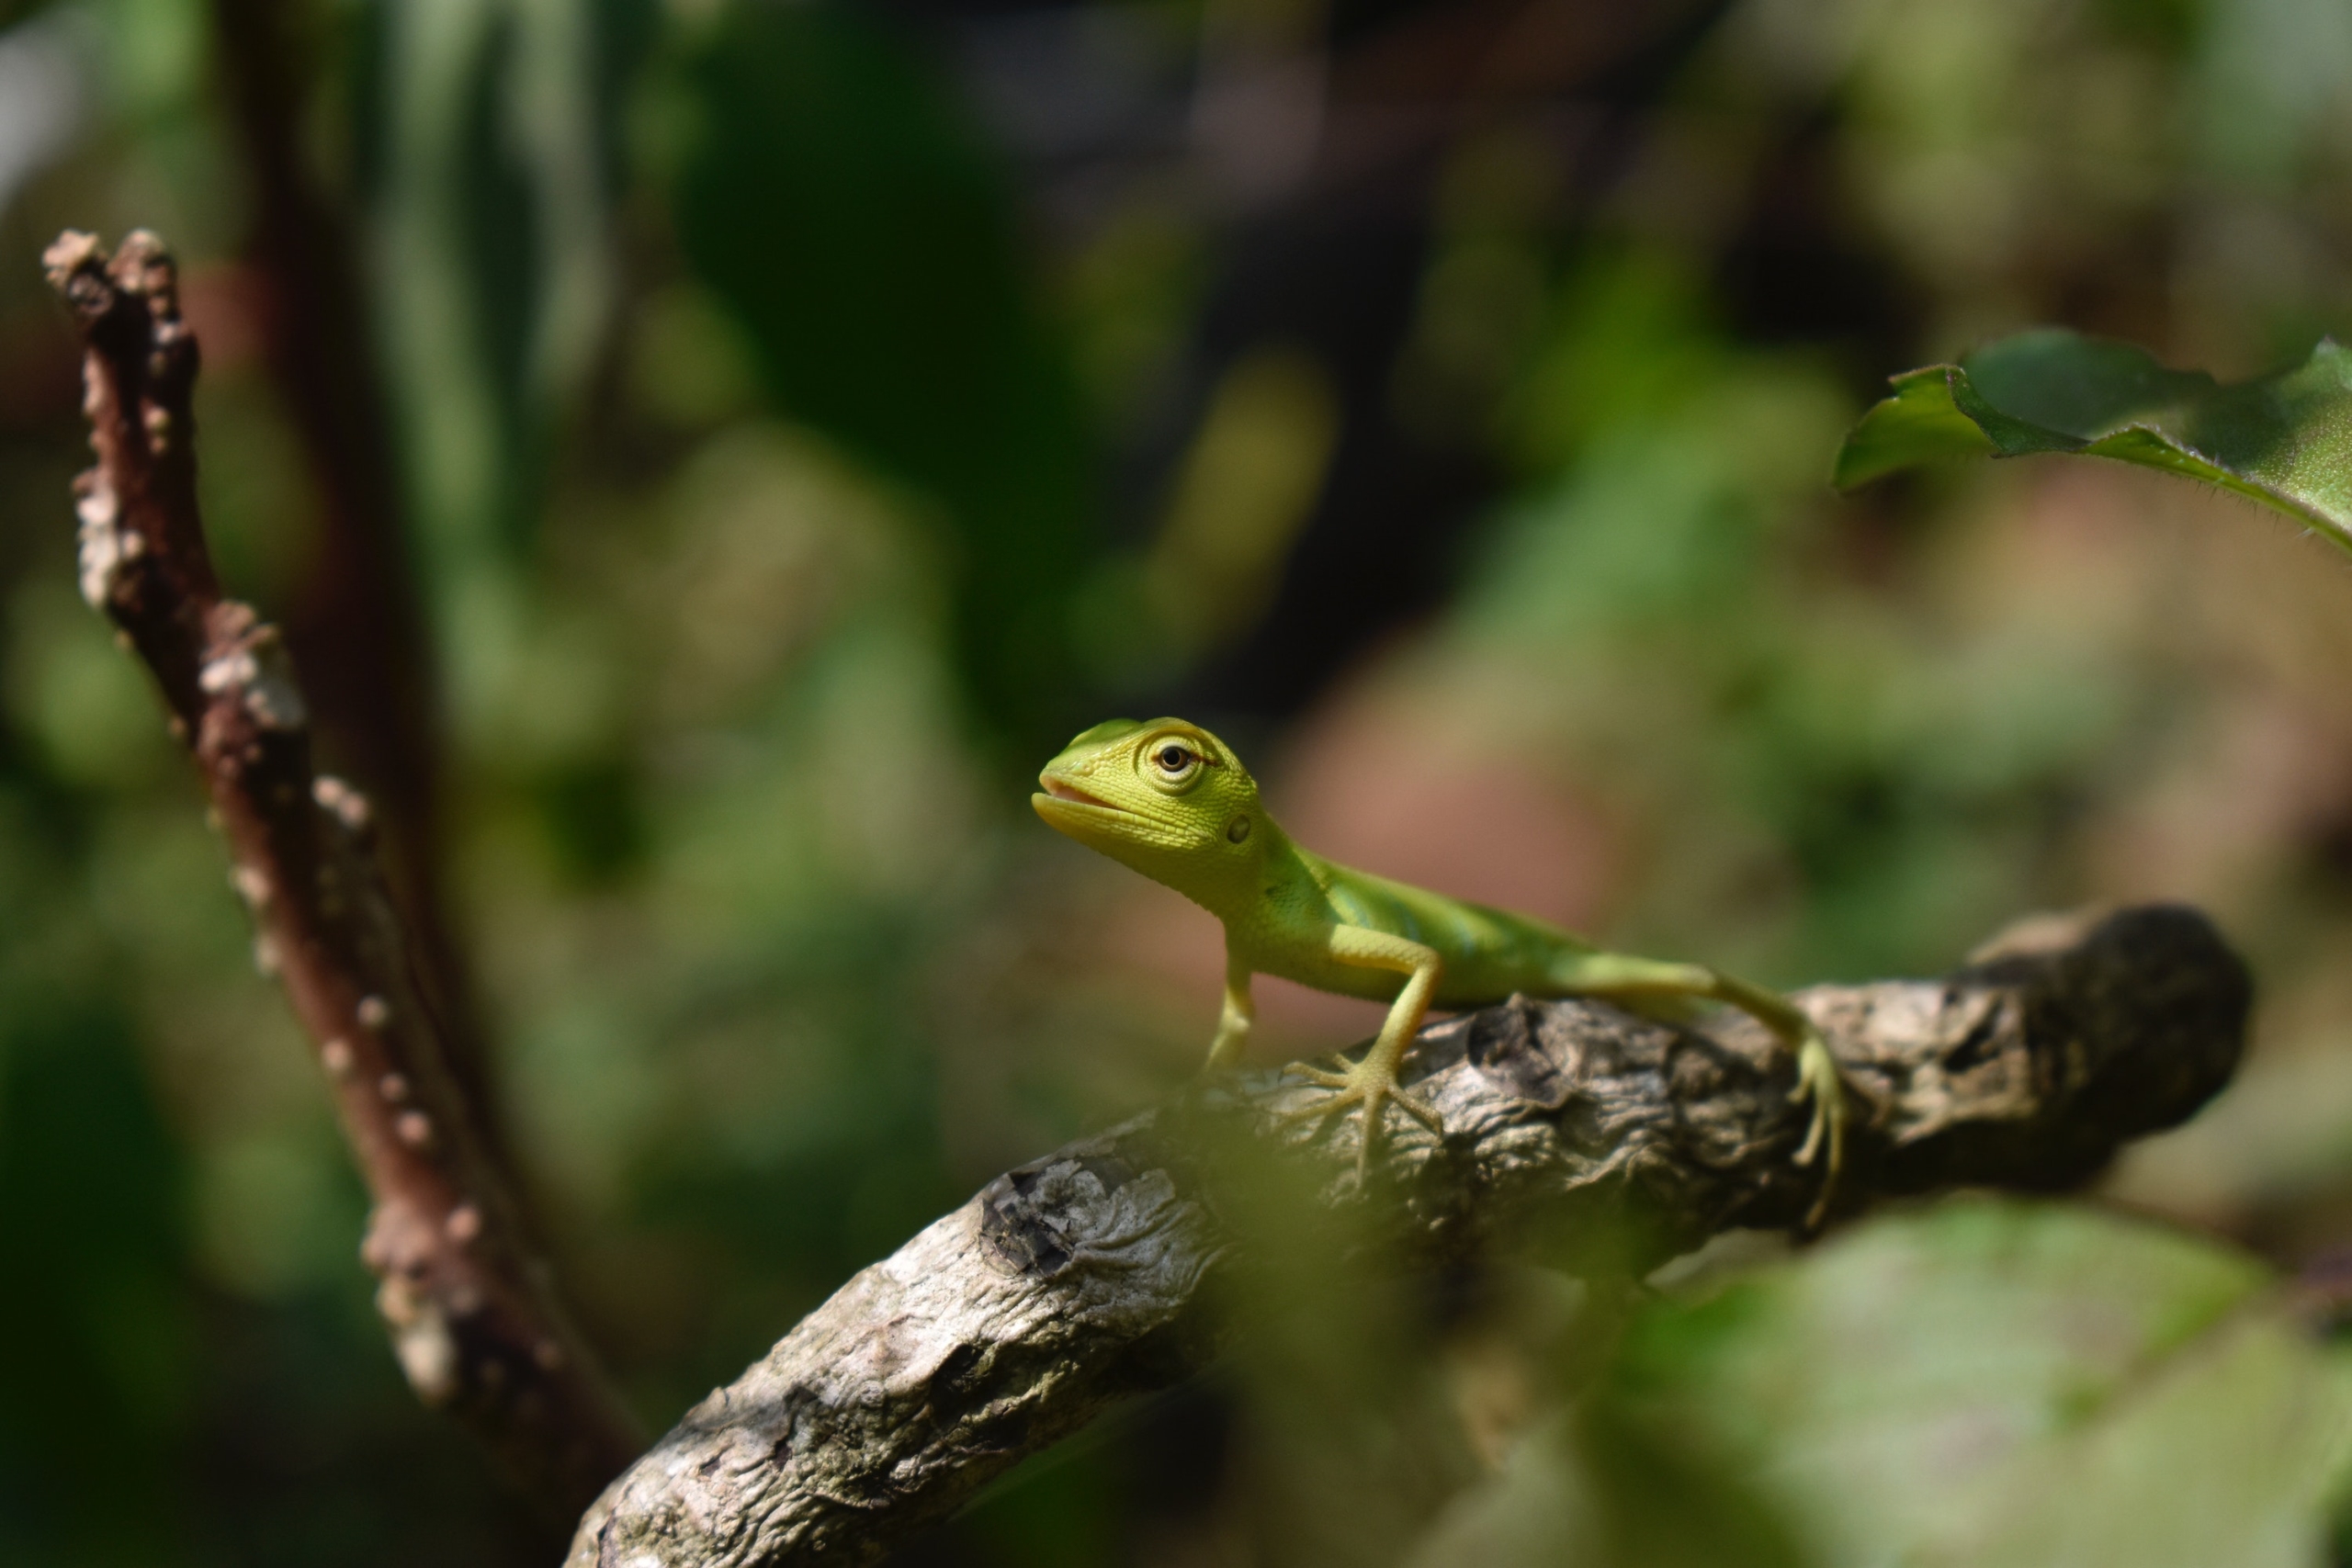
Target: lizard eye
[(1174, 764)]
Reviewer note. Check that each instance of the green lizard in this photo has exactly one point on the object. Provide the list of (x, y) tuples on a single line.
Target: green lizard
[(1171, 800)]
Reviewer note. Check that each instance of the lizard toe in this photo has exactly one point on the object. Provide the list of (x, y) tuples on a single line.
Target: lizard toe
[(1819, 1080), (1420, 1110)]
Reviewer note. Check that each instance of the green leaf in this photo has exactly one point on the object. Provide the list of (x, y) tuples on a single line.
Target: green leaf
[(2285, 440), (1988, 1382)]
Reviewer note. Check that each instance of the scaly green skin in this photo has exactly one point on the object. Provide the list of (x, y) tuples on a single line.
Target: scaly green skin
[(1173, 801)]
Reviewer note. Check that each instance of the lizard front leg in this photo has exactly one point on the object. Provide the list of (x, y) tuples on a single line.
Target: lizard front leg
[(1233, 1024), (1373, 1079)]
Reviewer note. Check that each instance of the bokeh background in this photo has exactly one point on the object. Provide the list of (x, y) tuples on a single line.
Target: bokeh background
[(708, 454)]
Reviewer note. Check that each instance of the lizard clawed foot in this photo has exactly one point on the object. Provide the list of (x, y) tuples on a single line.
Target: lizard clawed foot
[(1819, 1081), (1359, 1083)]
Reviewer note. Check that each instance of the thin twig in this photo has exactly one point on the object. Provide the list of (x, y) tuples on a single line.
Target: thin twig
[(473, 1316), (1604, 1142)]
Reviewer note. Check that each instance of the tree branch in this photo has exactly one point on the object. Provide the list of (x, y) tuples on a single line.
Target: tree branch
[(476, 1324), (1080, 1279)]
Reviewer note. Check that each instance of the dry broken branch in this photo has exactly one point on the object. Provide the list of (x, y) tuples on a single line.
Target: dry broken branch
[(475, 1322), (1083, 1278)]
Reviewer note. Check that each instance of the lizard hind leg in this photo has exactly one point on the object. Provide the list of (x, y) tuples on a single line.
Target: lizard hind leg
[(1819, 1080), (1643, 984)]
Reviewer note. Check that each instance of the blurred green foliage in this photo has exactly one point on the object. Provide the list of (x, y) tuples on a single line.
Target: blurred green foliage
[(833, 193), (1987, 1383), (804, 414)]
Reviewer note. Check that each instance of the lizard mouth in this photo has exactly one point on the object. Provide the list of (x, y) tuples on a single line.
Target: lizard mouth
[(1065, 793), (1072, 793)]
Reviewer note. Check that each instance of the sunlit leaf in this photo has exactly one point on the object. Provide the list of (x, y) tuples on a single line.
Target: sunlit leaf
[(2285, 440)]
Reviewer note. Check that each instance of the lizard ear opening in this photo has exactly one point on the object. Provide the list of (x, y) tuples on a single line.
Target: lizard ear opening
[(1237, 831)]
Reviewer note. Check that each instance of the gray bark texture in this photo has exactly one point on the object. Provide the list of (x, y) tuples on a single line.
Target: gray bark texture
[(1580, 1134)]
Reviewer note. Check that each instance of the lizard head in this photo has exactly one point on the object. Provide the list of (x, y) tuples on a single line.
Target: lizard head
[(1167, 798)]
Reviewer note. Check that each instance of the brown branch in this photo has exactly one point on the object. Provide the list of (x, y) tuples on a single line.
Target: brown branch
[(476, 1325), (1610, 1141)]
